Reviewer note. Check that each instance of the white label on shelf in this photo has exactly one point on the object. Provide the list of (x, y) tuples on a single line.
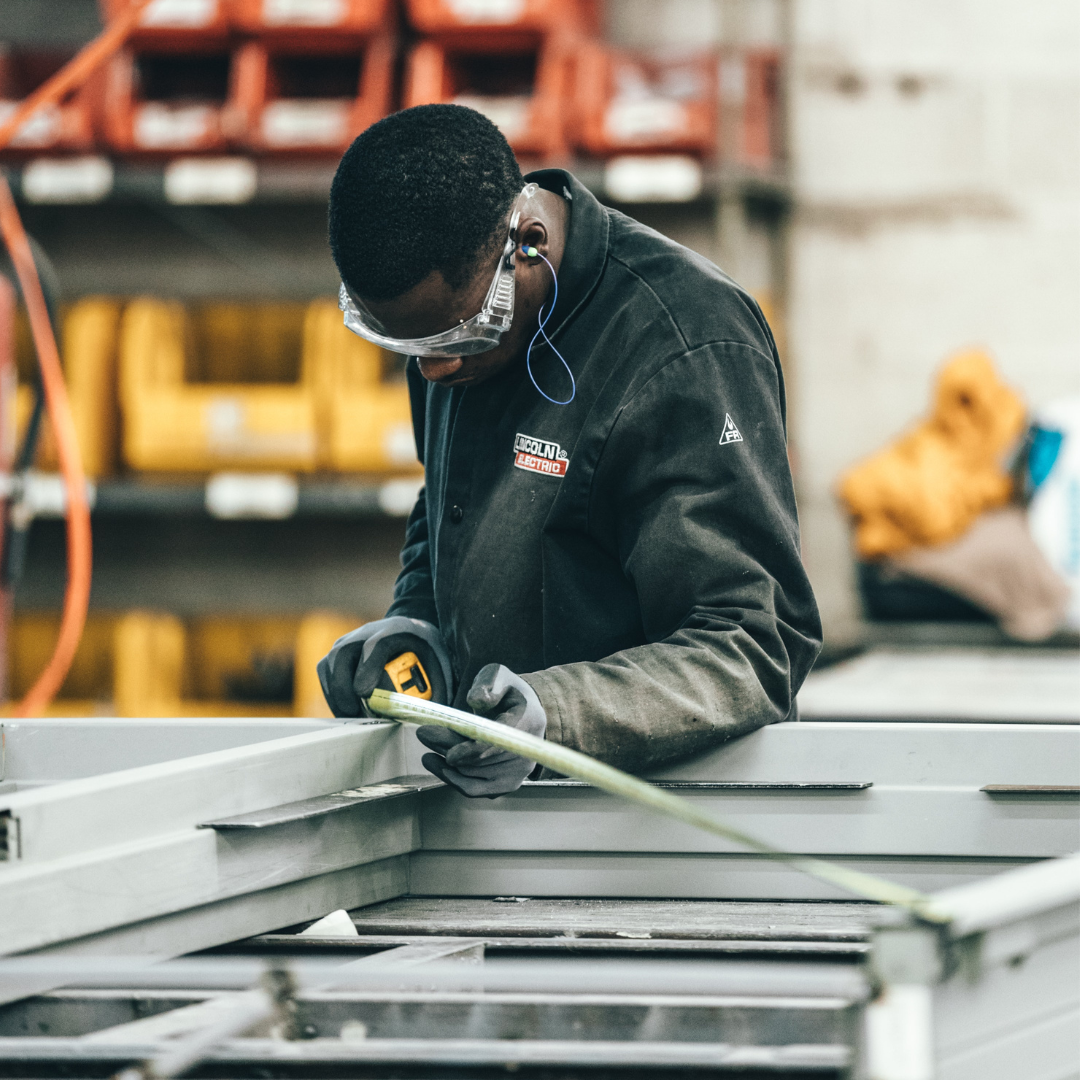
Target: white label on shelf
[(399, 444), (180, 14), (487, 11), (227, 434), (251, 495), (42, 128), (45, 495), (67, 180), (304, 12), (657, 178), (160, 126), (210, 180), (398, 497), (510, 114), (628, 120), (306, 123)]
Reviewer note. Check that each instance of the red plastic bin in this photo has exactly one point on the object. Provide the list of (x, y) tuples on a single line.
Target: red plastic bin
[(493, 22), (67, 126), (628, 103), (310, 102), (163, 102), (175, 24), (295, 23), (524, 92)]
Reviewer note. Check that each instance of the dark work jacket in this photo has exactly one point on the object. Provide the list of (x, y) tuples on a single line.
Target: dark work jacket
[(635, 554)]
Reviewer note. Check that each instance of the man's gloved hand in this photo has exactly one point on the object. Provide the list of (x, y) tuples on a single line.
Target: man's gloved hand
[(353, 666), (477, 769)]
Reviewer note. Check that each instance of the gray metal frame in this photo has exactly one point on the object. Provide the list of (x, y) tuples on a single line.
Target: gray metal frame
[(163, 856)]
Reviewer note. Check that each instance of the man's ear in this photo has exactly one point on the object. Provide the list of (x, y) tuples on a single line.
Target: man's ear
[(532, 232)]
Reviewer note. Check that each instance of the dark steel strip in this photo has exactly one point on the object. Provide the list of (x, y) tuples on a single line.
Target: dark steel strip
[(723, 785), (287, 813)]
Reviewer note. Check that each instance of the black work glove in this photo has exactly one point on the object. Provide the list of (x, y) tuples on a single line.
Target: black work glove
[(475, 768), (353, 666)]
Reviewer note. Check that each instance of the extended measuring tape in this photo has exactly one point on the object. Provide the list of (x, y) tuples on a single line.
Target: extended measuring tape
[(411, 709)]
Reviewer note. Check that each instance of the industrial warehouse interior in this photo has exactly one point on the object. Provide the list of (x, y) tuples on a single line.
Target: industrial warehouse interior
[(660, 659)]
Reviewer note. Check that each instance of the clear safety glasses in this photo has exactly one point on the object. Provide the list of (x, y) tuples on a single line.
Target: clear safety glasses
[(482, 332)]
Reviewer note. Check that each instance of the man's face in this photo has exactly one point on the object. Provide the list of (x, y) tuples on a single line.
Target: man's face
[(432, 306)]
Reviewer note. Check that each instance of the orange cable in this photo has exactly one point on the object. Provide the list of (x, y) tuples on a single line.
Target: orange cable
[(79, 541), (79, 546)]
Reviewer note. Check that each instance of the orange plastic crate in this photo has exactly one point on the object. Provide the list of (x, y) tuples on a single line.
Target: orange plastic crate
[(761, 133), (493, 22), (67, 126), (524, 92), (300, 22), (306, 102), (626, 103), (164, 102), (175, 24)]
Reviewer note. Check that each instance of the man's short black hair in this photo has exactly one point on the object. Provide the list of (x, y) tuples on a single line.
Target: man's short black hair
[(425, 189)]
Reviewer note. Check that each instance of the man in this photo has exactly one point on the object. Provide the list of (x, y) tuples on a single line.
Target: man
[(605, 553)]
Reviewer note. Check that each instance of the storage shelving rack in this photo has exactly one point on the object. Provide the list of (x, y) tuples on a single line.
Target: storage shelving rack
[(250, 226)]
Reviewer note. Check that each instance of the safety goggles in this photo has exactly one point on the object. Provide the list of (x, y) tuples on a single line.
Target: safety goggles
[(482, 332)]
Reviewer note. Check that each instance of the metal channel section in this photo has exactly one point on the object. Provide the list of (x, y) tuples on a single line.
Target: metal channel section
[(574, 988), (525, 987), (178, 854), (155, 877)]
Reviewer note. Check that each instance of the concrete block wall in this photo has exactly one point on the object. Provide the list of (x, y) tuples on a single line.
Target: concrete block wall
[(935, 155)]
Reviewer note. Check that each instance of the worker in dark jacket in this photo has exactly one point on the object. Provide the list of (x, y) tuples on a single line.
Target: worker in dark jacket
[(606, 549)]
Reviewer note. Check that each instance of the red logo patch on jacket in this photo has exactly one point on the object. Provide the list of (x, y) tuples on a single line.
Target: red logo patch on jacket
[(539, 456)]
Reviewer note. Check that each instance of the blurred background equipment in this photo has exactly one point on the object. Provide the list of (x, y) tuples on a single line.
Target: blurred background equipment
[(931, 518)]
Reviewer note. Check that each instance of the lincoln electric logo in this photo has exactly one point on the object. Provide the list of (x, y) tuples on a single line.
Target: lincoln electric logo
[(539, 455)]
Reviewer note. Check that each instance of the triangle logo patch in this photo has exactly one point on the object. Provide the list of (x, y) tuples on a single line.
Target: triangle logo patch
[(730, 433)]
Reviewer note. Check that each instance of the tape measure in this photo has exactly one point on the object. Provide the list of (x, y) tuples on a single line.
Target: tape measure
[(406, 675), (573, 763)]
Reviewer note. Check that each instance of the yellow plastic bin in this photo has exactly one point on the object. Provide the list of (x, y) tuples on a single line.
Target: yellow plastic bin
[(366, 401), (88, 348), (88, 688), (212, 389)]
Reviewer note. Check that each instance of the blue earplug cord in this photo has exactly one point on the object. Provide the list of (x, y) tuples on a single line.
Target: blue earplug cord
[(542, 319)]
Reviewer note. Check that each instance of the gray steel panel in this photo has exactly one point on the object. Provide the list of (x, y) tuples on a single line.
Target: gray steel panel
[(50, 749), (80, 815), (226, 920), (140, 1016), (907, 754), (547, 947), (703, 877), (41, 903), (692, 920), (884, 820), (510, 1055), (1016, 1019)]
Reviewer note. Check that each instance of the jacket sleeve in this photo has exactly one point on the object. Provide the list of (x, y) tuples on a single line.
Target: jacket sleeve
[(694, 495), (414, 590)]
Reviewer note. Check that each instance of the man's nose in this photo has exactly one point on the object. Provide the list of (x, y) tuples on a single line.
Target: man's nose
[(436, 368)]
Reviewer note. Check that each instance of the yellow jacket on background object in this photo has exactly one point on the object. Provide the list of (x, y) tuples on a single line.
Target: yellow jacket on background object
[(930, 485)]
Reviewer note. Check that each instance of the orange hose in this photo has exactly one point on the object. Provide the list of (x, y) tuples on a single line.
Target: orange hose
[(79, 547), (79, 542), (76, 71)]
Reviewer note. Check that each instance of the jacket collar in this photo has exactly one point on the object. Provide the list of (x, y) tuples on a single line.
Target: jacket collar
[(586, 243)]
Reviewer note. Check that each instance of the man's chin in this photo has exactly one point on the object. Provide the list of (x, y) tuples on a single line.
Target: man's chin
[(466, 375)]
